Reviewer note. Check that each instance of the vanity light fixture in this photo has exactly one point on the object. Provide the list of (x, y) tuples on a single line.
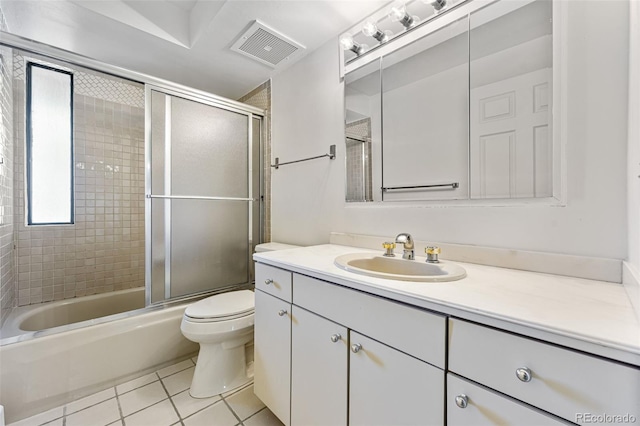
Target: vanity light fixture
[(371, 29), (399, 13), (437, 5), (348, 43)]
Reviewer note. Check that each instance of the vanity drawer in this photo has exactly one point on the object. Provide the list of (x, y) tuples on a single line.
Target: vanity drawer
[(274, 281), (485, 407), (563, 382), (413, 331)]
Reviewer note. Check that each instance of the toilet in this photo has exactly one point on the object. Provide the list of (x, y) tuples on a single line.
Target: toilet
[(222, 325)]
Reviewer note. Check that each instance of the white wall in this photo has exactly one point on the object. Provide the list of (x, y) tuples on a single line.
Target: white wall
[(308, 198), (633, 189)]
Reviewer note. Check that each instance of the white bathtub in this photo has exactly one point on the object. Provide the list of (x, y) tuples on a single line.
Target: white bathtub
[(44, 369)]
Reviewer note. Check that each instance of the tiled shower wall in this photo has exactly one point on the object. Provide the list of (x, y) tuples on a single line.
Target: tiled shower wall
[(7, 274), (104, 250), (260, 97)]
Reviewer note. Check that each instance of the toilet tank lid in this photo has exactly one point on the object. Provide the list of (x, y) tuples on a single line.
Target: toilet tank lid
[(273, 247), (222, 305)]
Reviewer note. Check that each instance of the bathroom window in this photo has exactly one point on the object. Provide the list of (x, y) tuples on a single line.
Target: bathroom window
[(49, 145)]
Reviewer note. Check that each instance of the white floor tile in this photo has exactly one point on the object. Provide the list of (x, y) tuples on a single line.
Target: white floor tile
[(118, 423), (216, 415), (41, 418), (141, 398), (98, 415), (245, 403), (58, 422), (187, 405), (90, 400), (136, 383), (231, 392), (179, 381), (161, 414), (195, 359), (172, 369), (263, 418)]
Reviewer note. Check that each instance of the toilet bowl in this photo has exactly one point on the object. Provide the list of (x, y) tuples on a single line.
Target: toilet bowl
[(222, 325)]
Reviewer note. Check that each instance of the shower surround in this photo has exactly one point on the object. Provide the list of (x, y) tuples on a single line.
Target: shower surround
[(104, 249)]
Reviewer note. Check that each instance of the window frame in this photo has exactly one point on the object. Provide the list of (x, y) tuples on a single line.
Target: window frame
[(29, 142)]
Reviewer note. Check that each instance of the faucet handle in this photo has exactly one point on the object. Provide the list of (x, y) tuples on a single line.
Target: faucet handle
[(432, 254), (389, 249)]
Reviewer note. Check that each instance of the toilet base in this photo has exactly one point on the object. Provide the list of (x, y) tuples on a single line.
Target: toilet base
[(218, 370)]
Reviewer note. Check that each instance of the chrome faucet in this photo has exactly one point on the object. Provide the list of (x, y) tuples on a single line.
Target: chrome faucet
[(407, 242)]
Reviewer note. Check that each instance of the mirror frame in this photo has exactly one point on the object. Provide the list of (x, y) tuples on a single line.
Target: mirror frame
[(559, 93)]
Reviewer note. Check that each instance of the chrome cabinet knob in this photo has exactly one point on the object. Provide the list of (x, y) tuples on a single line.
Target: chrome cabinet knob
[(523, 374), (335, 338), (282, 312), (462, 401), (355, 348), (268, 281)]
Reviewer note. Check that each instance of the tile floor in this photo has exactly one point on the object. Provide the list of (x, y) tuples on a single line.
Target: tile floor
[(159, 399)]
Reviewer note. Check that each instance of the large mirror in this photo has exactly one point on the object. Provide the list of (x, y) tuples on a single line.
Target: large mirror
[(463, 112)]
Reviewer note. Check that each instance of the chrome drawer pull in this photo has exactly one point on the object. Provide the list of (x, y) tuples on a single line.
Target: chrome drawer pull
[(282, 312), (462, 401), (524, 374), (268, 281), (356, 348), (335, 338)]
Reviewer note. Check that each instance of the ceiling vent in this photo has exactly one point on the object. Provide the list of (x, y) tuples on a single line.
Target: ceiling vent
[(266, 45)]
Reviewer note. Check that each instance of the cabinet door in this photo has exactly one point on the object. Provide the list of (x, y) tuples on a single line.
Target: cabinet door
[(479, 406), (272, 374), (388, 387), (319, 357)]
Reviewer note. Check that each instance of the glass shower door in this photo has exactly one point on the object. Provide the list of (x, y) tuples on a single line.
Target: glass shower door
[(201, 196)]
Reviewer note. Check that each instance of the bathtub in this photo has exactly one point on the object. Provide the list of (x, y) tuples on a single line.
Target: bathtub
[(57, 352)]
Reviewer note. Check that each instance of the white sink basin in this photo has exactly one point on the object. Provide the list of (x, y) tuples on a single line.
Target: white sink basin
[(397, 268)]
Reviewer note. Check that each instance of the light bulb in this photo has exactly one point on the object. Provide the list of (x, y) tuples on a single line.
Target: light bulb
[(398, 12), (346, 41), (438, 5), (369, 28)]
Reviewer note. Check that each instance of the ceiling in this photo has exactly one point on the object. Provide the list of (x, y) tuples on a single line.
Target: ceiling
[(184, 41)]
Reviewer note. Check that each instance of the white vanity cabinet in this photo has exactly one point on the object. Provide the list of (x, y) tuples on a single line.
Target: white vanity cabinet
[(327, 354), (319, 356), (385, 354), (272, 341), (388, 387), (469, 404), (564, 382)]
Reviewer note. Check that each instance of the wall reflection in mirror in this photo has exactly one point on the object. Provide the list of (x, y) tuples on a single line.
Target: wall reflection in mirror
[(461, 113)]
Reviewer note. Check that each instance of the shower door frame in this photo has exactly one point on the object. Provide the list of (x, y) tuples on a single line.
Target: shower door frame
[(251, 113)]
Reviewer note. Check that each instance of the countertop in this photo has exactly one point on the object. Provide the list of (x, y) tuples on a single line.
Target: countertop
[(592, 316)]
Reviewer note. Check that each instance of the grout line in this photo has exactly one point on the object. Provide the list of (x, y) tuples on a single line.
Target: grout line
[(131, 390), (176, 372), (119, 407), (171, 400), (149, 406), (231, 409), (204, 408), (256, 413), (236, 390), (88, 406)]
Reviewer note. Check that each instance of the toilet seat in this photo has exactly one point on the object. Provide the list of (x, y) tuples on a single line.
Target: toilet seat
[(222, 307), (218, 319)]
